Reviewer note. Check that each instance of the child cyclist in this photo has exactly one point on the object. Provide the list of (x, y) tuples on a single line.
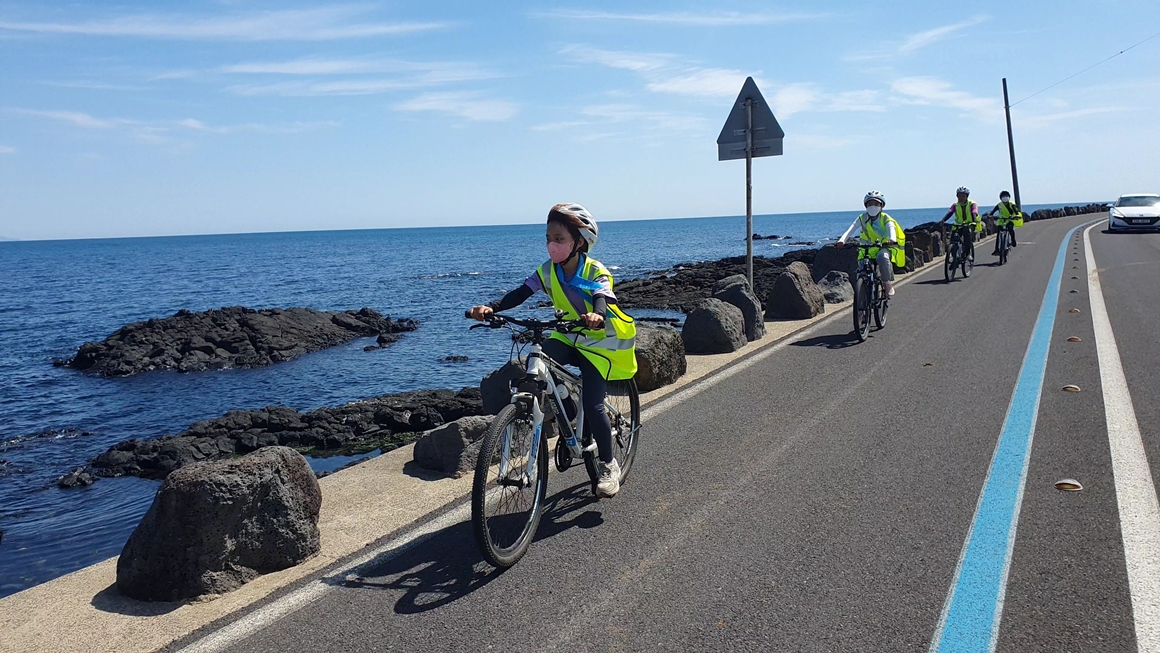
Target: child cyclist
[(581, 287)]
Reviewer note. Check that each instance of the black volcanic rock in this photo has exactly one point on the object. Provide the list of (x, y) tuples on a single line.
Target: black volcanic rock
[(234, 337)]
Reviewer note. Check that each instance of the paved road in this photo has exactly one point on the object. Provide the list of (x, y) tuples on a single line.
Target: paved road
[(818, 500)]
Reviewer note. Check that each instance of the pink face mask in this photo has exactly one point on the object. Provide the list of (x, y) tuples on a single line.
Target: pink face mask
[(559, 252)]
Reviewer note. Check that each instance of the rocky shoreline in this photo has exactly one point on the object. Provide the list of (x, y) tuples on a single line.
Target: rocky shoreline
[(385, 422), (232, 337)]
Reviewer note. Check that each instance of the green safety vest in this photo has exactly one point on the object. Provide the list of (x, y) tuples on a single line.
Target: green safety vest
[(965, 214), (897, 254), (1008, 212), (613, 349)]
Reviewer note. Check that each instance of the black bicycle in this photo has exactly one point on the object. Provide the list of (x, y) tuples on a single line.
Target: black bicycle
[(870, 298), (957, 257), (511, 473), (1003, 243)]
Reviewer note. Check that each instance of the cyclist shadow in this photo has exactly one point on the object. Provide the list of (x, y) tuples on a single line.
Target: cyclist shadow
[(447, 566), (833, 341)]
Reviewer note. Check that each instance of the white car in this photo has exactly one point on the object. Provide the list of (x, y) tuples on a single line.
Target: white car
[(1137, 211)]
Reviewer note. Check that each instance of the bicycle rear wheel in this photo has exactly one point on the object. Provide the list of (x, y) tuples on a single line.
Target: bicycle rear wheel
[(505, 503), (861, 307), (622, 402)]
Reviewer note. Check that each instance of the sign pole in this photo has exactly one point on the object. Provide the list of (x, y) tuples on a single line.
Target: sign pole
[(749, 193), (1011, 146)]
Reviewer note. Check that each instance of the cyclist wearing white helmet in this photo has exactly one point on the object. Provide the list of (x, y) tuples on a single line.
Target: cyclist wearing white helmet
[(966, 214), (581, 288), (876, 226)]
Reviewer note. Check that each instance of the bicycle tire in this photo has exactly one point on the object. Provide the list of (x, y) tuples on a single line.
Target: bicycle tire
[(620, 398), (1004, 247), (861, 307), (968, 265), (950, 265), (523, 523), (880, 308)]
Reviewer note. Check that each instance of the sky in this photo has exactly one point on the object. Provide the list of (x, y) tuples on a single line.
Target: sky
[(122, 119)]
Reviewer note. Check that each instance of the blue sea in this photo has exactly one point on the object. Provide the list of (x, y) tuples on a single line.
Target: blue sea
[(60, 294)]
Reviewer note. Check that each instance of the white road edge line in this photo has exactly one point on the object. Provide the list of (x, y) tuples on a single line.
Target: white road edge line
[(1135, 491), (258, 619)]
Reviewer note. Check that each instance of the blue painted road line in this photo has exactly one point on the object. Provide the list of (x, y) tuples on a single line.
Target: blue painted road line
[(974, 605)]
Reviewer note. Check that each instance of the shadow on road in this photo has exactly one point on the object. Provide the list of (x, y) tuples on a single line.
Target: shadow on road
[(447, 565), (833, 341), (934, 282)]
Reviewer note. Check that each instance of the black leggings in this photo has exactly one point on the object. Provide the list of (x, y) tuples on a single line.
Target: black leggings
[(596, 419)]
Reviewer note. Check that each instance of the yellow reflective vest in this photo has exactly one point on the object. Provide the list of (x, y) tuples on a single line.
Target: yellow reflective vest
[(965, 213), (613, 349), (1008, 212), (898, 253)]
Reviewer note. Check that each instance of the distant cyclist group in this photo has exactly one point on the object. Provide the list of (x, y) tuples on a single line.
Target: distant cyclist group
[(876, 231)]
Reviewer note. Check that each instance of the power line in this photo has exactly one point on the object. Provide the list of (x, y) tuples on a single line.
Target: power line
[(1088, 68)]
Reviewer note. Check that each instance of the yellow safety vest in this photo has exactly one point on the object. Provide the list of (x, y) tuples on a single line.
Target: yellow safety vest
[(897, 254), (1009, 212), (965, 213), (613, 349)]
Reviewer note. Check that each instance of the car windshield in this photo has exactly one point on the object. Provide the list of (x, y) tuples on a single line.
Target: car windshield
[(1138, 200)]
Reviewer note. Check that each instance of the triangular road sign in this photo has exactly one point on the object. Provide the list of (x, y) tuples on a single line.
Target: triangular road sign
[(767, 134)]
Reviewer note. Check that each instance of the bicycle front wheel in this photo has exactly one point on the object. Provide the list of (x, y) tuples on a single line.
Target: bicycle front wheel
[(880, 308), (968, 265), (862, 307), (622, 403), (949, 265), (507, 495)]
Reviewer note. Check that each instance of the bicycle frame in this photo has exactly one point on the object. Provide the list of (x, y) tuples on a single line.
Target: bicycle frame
[(544, 375)]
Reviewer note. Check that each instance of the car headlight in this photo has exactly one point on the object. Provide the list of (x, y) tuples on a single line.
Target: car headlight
[(1116, 214)]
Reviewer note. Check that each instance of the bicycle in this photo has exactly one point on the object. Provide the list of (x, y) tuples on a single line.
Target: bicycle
[(1003, 243), (869, 294), (955, 259), (511, 473)]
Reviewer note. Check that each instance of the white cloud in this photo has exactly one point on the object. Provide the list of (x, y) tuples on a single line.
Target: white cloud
[(464, 105), (935, 92), (1038, 122), (318, 24), (703, 82), (619, 113), (7, 149), (75, 118), (685, 18), (635, 61), (917, 41), (403, 75), (923, 39), (160, 132)]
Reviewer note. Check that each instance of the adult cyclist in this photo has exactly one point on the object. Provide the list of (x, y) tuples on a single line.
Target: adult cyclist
[(1009, 217), (966, 214), (876, 226)]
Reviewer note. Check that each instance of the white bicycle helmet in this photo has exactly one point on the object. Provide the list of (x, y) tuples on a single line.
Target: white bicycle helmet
[(963, 190), (874, 195), (587, 224)]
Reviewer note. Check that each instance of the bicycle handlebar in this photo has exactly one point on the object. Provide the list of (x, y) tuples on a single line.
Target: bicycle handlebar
[(498, 320)]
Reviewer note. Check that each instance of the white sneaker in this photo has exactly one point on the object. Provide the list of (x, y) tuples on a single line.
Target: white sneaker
[(609, 483), (889, 289)]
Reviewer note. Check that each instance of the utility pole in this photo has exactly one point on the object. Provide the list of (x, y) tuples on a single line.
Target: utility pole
[(1011, 147)]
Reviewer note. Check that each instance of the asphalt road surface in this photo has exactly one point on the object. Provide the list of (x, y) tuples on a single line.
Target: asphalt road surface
[(821, 499)]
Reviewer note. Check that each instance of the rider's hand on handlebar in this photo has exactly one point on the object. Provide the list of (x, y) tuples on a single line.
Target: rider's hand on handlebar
[(480, 312), (593, 320)]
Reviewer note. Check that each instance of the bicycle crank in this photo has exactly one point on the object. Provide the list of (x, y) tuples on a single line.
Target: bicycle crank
[(563, 456)]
